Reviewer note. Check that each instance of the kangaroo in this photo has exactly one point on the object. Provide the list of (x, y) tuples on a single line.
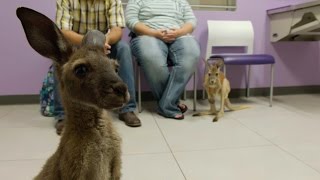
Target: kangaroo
[(89, 147), (216, 84)]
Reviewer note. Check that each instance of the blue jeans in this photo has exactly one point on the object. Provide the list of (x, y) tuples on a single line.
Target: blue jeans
[(58, 108), (122, 53), (166, 85)]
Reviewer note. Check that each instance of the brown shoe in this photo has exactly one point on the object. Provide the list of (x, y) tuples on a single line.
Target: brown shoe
[(130, 119), (59, 126)]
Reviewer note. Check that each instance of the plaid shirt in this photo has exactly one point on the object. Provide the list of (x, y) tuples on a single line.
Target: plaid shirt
[(83, 15)]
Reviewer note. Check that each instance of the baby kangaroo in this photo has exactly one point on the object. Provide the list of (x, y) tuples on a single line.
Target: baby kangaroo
[(216, 84), (89, 148)]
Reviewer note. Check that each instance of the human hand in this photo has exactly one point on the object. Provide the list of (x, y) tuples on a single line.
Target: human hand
[(107, 46), (171, 35), (159, 33)]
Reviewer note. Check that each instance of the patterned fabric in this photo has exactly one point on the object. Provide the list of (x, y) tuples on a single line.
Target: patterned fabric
[(83, 15), (164, 14), (47, 95)]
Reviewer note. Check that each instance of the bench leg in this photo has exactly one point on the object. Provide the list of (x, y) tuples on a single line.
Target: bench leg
[(248, 82), (194, 91), (271, 85), (139, 89)]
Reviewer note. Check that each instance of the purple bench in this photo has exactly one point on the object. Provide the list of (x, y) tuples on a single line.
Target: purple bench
[(248, 59)]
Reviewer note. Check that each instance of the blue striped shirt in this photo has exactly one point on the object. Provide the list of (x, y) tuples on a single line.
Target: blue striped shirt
[(159, 14)]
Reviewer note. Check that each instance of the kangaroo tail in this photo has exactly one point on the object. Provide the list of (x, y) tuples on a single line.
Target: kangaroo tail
[(234, 108), (204, 113)]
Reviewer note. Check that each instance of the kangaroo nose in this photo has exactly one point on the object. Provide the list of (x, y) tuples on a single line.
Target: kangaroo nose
[(120, 89)]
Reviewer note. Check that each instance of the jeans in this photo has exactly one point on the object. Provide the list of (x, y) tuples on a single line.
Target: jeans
[(122, 53), (166, 85), (58, 111)]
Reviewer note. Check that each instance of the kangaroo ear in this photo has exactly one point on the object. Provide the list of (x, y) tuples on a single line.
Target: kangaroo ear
[(207, 64), (219, 63), (44, 36), (94, 38)]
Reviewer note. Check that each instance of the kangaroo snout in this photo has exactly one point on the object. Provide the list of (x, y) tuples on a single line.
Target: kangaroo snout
[(121, 90)]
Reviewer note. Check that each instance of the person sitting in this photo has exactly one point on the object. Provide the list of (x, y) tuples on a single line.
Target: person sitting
[(161, 31), (75, 18)]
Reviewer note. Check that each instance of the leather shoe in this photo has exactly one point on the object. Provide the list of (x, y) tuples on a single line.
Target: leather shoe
[(130, 119)]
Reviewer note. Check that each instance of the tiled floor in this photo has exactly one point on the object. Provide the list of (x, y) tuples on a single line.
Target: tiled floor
[(259, 143)]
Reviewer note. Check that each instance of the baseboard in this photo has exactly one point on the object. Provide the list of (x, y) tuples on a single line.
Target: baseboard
[(19, 99), (235, 93), (147, 95)]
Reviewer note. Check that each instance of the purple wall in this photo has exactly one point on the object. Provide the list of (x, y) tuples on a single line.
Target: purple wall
[(21, 68), (298, 63)]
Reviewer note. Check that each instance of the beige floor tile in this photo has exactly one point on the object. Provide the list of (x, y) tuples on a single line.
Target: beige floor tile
[(151, 166), (308, 104), (24, 116), (27, 143), (280, 125), (306, 152), (200, 133), (259, 143), (6, 109), (144, 139), (20, 170), (259, 163)]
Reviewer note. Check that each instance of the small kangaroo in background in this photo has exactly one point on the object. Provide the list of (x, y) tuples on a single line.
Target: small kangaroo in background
[(89, 148), (216, 84)]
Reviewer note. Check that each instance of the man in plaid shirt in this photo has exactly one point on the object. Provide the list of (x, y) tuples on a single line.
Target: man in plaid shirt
[(75, 18)]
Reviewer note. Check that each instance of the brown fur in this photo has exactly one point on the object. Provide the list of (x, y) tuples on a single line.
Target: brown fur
[(89, 148), (216, 84)]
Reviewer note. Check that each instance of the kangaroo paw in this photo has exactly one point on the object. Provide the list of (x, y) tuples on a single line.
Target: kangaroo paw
[(215, 119), (218, 116)]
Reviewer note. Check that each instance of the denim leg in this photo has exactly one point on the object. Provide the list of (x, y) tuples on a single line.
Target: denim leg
[(122, 53), (151, 53), (58, 107), (184, 53)]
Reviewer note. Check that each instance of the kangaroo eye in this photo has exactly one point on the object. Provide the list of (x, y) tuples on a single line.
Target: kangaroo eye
[(81, 71), (217, 74)]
